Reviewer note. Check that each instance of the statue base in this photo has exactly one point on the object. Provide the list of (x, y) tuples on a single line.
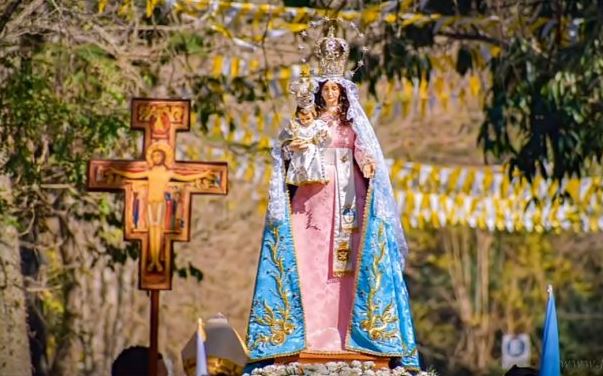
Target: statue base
[(308, 357)]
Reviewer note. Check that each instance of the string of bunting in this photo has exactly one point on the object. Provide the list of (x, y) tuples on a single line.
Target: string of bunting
[(489, 181), (399, 98), (250, 12), (262, 22), (431, 196), (280, 76), (512, 214), (296, 18), (486, 198), (282, 19)]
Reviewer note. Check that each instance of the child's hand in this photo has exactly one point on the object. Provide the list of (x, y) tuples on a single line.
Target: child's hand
[(320, 137), (298, 145)]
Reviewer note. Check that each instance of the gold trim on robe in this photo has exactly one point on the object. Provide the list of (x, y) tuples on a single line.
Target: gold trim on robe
[(346, 212)]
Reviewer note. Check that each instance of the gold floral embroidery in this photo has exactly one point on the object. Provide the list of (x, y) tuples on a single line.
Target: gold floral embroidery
[(343, 251), (220, 366), (279, 322), (376, 322)]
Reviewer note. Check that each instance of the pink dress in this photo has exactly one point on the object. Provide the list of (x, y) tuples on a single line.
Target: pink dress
[(326, 298)]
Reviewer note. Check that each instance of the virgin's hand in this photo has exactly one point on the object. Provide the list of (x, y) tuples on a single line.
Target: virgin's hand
[(368, 170), (298, 145)]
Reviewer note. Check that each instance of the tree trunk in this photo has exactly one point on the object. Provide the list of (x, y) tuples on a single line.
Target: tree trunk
[(14, 343)]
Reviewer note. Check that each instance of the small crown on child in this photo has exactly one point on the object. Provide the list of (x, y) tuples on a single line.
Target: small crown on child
[(304, 89)]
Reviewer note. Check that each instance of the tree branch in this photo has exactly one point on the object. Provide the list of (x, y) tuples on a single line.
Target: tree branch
[(8, 12), (473, 36)]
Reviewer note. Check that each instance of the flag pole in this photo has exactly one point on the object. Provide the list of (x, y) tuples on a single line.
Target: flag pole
[(549, 355)]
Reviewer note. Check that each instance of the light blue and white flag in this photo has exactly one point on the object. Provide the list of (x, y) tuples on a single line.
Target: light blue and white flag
[(550, 364)]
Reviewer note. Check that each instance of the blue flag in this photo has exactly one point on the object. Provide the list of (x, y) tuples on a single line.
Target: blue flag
[(549, 357)]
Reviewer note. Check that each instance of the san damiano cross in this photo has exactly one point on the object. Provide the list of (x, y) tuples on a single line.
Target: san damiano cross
[(157, 188)]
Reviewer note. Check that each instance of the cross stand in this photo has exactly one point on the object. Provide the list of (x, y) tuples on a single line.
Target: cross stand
[(158, 191), (153, 355)]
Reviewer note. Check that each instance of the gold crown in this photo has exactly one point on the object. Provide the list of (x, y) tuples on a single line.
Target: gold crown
[(332, 54)]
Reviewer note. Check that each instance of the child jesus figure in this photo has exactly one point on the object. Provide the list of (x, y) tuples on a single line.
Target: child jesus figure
[(306, 164)]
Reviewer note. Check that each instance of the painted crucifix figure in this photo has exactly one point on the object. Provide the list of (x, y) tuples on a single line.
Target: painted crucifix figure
[(158, 189)]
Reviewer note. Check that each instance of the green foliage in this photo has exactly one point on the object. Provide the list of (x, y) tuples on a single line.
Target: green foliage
[(188, 44), (545, 115), (184, 272), (52, 126), (400, 55)]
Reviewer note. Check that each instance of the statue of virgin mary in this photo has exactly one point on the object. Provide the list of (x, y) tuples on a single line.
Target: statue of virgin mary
[(329, 278)]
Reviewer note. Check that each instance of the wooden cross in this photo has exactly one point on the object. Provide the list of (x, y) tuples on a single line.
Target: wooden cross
[(158, 192)]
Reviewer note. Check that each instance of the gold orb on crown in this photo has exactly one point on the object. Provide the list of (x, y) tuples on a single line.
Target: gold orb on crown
[(332, 55)]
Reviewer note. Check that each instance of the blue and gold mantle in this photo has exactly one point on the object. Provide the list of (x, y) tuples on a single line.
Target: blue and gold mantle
[(381, 321)]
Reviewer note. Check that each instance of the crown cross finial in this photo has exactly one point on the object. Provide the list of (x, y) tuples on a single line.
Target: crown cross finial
[(331, 33)]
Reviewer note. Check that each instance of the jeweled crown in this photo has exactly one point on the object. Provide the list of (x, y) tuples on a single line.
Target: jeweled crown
[(304, 89), (332, 54)]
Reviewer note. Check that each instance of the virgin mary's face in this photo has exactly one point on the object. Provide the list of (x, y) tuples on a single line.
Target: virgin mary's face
[(330, 93)]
